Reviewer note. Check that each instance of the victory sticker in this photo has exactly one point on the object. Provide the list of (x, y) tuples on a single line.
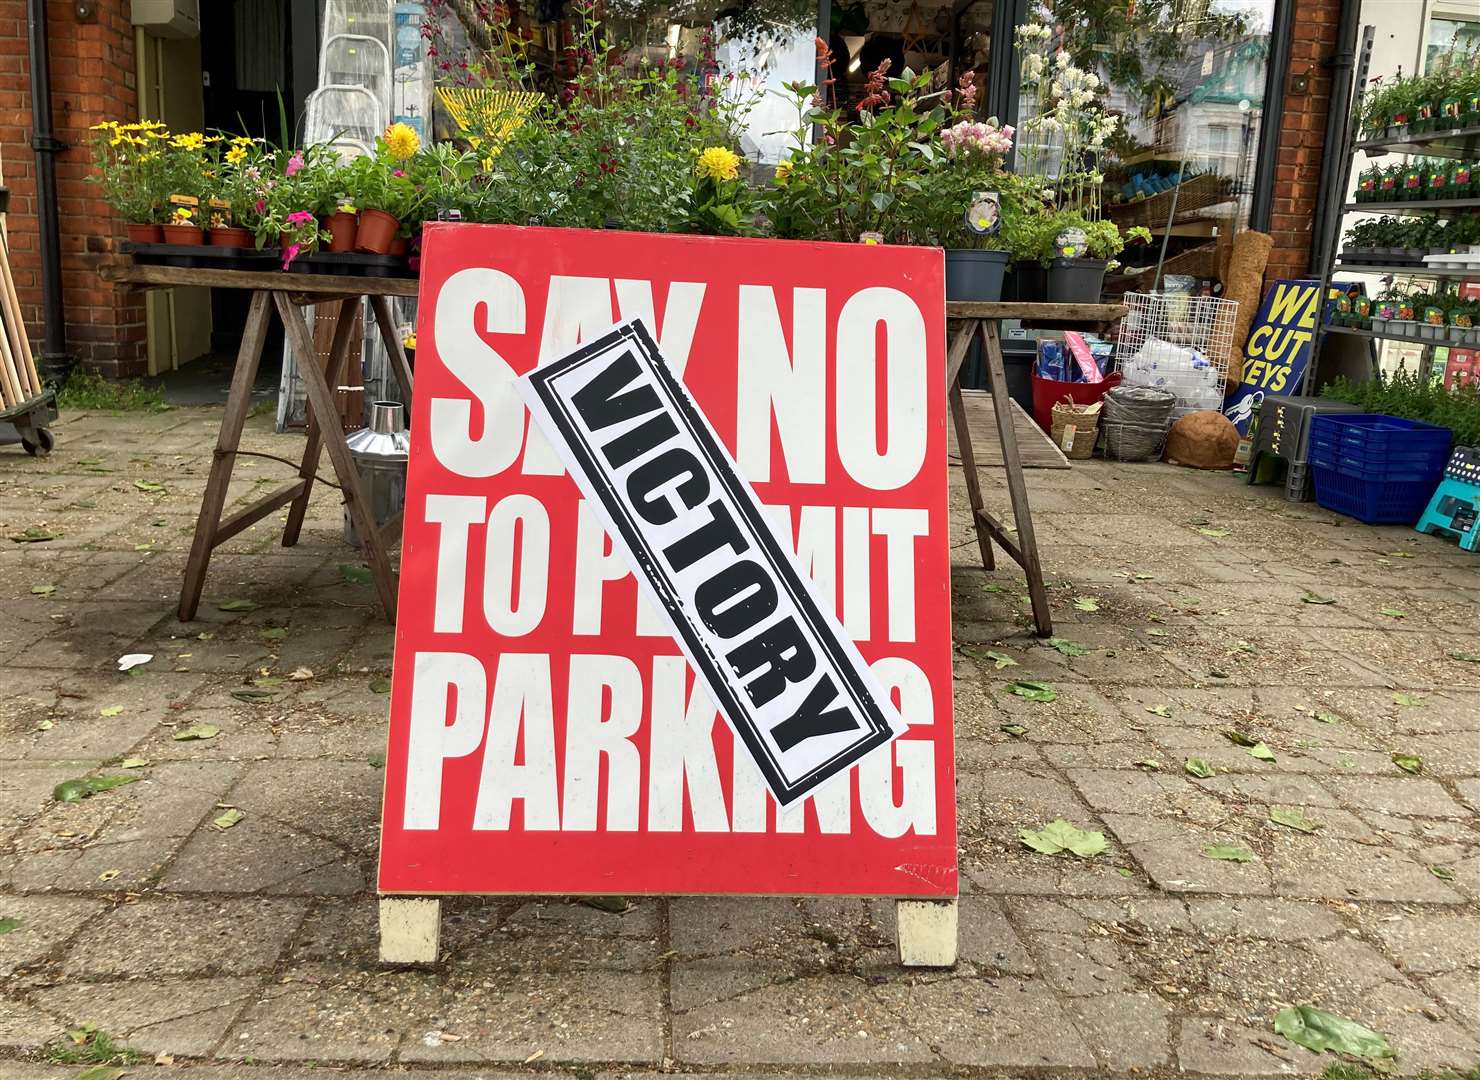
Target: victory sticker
[(791, 684)]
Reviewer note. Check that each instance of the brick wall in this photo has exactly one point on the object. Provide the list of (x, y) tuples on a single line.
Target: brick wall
[(93, 79), (1302, 138)]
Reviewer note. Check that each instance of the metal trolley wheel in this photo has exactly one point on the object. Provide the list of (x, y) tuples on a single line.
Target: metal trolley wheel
[(42, 445)]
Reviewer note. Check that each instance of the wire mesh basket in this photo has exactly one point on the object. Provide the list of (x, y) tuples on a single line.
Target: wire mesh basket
[(1178, 343), (1136, 422)]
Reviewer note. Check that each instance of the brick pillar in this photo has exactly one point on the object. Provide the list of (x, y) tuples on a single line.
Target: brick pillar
[(93, 79), (1302, 138)]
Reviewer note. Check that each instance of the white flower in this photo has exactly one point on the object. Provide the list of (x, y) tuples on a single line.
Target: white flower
[(1061, 59)]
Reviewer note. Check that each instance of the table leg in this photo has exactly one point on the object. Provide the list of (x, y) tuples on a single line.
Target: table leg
[(1017, 489), (382, 308), (238, 402), (321, 407), (344, 327), (963, 438)]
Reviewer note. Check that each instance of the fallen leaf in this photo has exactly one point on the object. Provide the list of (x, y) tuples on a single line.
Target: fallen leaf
[(354, 575), (111, 710), (1067, 647), (274, 633), (1201, 768), (1086, 603), (1125, 871), (1326, 717), (1413, 700), (133, 660), (34, 534), (109, 875), (1148, 763), (1318, 1030), (1238, 738), (149, 486), (1392, 613), (1443, 873), (381, 685), (1291, 818), (1216, 534), (1228, 853), (1400, 554), (377, 761), (1154, 632), (1409, 763), (534, 1056), (1001, 659), (145, 547), (267, 681), (43, 590), (134, 763), (1313, 598), (228, 819), (101, 1072), (85, 787), (1033, 691), (1466, 657), (204, 635), (1059, 835), (8, 923), (1160, 710), (1017, 731), (1261, 752), (236, 605), (44, 725), (197, 731), (1245, 647), (300, 674)]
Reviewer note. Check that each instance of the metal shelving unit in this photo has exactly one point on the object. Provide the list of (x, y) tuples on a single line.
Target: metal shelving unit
[(1453, 143), (1415, 206), (1408, 270), (1387, 335)]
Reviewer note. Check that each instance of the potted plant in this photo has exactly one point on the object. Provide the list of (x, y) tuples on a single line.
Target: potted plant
[(183, 227), (133, 170), (289, 199), (232, 211), (384, 189)]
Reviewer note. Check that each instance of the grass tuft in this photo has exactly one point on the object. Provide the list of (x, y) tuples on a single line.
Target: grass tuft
[(88, 1045), (88, 390)]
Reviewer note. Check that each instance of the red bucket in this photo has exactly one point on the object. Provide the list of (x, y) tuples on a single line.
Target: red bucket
[(1049, 392)]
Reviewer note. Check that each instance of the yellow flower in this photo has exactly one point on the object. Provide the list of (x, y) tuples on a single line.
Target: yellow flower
[(236, 155), (182, 215), (402, 141), (718, 163), (783, 173), (105, 125), (192, 141)]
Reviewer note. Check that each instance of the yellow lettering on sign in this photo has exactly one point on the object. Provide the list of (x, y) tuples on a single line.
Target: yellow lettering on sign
[(1287, 301)]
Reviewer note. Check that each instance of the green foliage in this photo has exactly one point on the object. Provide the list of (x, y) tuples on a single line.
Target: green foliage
[(1416, 397), (87, 390), (88, 1045), (134, 169)]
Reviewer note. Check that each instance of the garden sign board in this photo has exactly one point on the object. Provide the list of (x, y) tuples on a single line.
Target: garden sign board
[(674, 611)]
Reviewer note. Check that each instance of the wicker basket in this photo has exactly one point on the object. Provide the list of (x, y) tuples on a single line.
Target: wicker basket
[(1075, 428), (1136, 422), (1193, 194)]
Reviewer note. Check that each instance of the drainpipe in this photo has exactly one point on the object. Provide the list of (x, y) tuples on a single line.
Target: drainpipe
[(55, 362), (1335, 164)]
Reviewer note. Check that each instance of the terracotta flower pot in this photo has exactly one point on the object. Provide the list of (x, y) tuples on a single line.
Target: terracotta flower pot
[(232, 237), (145, 234), (376, 233), (400, 247), (343, 228), (183, 234)]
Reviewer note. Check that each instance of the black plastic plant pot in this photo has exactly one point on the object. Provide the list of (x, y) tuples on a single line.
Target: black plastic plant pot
[(974, 274), (1076, 281), (1032, 283)]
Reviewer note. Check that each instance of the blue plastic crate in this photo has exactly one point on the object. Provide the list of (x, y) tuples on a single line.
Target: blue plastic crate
[(1378, 469)]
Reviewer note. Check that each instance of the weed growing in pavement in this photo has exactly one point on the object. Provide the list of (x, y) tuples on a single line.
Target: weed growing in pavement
[(88, 1045), (86, 390)]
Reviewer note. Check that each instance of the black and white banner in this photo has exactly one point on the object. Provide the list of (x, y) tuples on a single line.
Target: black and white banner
[(789, 681)]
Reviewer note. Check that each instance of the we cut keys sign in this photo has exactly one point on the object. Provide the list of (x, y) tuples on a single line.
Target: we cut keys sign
[(674, 608)]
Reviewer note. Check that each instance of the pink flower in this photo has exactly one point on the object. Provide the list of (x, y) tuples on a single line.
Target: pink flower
[(398, 173), (290, 253), (298, 217), (261, 205), (295, 164)]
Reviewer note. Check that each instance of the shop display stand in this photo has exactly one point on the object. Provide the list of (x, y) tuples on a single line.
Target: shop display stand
[(287, 293), (1453, 143), (970, 320)]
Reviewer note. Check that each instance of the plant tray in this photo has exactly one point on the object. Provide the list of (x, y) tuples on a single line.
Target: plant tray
[(203, 256), (352, 264)]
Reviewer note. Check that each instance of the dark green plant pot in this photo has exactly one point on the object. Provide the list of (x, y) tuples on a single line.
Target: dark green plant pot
[(1032, 283), (973, 274), (1076, 281)]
